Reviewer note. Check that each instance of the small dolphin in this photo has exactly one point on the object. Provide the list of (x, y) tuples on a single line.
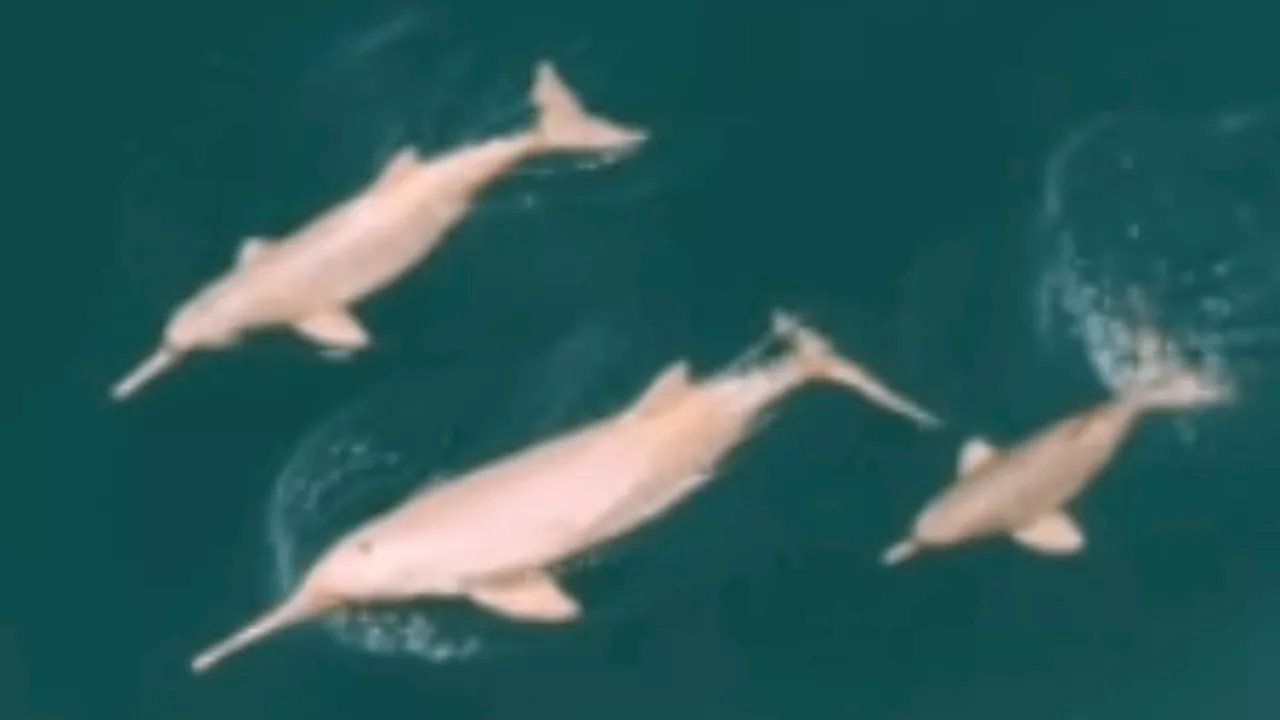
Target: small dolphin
[(1021, 491), (494, 534), (310, 280)]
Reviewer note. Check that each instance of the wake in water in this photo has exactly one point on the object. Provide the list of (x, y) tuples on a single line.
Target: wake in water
[(1167, 221)]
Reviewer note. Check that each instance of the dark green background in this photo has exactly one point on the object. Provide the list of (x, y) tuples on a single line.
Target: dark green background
[(872, 165)]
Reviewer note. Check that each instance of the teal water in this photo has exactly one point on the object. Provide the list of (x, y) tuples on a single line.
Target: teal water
[(875, 168)]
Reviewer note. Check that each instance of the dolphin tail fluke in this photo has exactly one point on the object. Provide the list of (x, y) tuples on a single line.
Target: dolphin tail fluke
[(290, 612), (899, 552), (826, 363), (146, 371), (1182, 390), (1164, 381), (564, 124)]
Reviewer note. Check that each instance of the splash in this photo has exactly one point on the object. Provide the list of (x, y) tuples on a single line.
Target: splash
[(1168, 220)]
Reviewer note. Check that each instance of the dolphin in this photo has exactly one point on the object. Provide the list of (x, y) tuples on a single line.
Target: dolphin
[(493, 535), (310, 280), (1021, 491)]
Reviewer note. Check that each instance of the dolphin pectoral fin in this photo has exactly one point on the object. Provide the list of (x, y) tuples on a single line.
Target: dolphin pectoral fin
[(251, 250), (532, 596), (336, 330), (975, 452), (1052, 534), (899, 552), (668, 387)]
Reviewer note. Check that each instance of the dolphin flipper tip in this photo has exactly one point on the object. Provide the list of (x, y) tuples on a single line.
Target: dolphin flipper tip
[(898, 553)]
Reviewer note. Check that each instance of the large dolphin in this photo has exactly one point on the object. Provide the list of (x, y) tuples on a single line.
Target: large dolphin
[(311, 279), (1022, 491), (493, 535)]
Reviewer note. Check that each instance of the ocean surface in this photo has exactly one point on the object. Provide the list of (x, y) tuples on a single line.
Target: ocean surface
[(907, 177)]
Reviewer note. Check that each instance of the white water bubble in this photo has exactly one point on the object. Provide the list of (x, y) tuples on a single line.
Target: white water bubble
[(1168, 219)]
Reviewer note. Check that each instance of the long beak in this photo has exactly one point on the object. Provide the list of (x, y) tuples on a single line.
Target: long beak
[(146, 371), (294, 610)]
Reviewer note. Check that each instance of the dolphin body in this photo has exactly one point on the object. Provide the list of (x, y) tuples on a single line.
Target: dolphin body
[(1022, 491), (310, 280), (493, 535)]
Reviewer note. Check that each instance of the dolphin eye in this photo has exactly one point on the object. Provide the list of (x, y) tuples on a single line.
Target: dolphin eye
[(365, 546)]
